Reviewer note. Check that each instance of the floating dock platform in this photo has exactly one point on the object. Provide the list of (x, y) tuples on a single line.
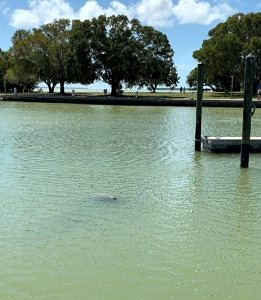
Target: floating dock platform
[(229, 144)]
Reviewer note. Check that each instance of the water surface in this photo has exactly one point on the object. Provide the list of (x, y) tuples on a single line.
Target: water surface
[(184, 225)]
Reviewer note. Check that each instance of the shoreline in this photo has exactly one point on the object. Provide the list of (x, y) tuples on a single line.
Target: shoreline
[(125, 100)]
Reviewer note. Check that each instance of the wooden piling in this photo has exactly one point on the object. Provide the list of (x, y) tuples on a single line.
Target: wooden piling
[(247, 111), (200, 82)]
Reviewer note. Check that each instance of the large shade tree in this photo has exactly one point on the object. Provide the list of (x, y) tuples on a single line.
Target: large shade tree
[(155, 59), (13, 75), (122, 50), (115, 50), (81, 66), (56, 35), (4, 62), (43, 52), (225, 51), (112, 49), (16, 77)]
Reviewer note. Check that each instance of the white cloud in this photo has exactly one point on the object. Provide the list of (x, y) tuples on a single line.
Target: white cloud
[(155, 12), (41, 12), (24, 18), (152, 12), (200, 12), (90, 10), (119, 8), (4, 8)]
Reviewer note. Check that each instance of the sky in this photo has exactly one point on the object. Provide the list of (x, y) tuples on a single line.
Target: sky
[(185, 22)]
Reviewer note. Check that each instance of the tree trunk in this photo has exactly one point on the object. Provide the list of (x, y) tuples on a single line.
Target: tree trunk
[(51, 86), (153, 88), (113, 90), (62, 87)]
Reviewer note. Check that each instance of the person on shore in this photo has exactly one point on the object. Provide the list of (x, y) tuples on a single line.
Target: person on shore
[(258, 90)]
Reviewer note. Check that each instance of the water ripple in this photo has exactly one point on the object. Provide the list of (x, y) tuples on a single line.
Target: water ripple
[(183, 224)]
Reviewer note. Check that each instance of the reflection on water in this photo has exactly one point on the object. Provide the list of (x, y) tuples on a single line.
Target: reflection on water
[(184, 225)]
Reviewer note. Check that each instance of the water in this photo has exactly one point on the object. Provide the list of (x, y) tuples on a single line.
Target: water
[(184, 225)]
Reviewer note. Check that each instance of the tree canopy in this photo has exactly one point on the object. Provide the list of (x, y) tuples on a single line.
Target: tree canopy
[(3, 69), (112, 49), (123, 50), (225, 51), (155, 59), (43, 52)]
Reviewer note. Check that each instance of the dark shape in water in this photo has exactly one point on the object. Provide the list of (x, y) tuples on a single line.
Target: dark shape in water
[(104, 197)]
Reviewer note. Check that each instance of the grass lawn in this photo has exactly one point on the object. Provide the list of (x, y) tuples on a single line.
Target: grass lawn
[(186, 95), (168, 94)]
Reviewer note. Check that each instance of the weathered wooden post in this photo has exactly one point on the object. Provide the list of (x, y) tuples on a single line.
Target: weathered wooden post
[(247, 111), (201, 68)]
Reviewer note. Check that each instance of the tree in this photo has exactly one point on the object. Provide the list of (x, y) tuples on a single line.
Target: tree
[(114, 50), (56, 35), (155, 59), (3, 69), (29, 55), (43, 52), (225, 51), (16, 76), (122, 50), (13, 74), (192, 78), (81, 67)]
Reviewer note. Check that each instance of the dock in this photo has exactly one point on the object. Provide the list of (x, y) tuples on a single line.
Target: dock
[(229, 144)]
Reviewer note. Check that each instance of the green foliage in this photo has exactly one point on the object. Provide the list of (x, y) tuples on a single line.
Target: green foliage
[(22, 62), (112, 49), (156, 65), (43, 52), (3, 69), (192, 78), (3, 62), (14, 75), (225, 51), (115, 50), (122, 50), (80, 66), (56, 34)]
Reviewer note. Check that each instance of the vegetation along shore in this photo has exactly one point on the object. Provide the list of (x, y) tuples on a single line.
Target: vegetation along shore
[(126, 54), (165, 99)]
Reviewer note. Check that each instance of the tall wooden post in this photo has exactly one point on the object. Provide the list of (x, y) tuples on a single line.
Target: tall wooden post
[(201, 68), (247, 111)]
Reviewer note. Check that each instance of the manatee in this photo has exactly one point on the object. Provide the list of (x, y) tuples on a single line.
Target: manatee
[(104, 197)]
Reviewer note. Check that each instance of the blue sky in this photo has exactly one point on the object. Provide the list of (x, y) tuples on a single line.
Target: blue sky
[(186, 22)]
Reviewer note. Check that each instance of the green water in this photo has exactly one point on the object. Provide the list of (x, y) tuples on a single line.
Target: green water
[(185, 225)]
